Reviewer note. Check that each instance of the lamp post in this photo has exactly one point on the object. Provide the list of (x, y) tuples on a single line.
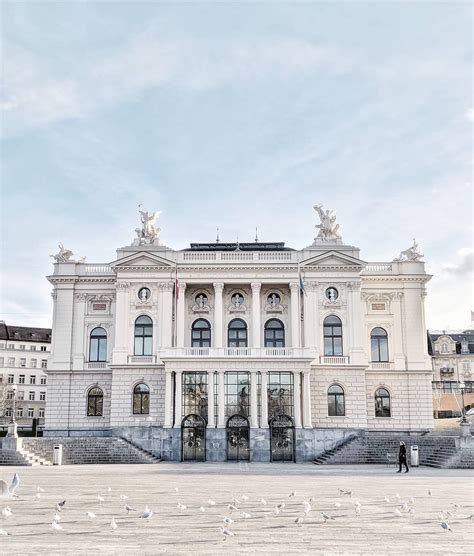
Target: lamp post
[(12, 427), (462, 386)]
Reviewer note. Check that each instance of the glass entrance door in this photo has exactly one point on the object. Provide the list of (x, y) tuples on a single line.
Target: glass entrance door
[(282, 438), (193, 435), (238, 438)]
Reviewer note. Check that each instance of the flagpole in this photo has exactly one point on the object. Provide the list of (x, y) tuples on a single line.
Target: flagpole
[(175, 332), (299, 305)]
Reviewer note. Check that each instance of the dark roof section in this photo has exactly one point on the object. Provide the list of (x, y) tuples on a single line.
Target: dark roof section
[(25, 333), (255, 246), (459, 338)]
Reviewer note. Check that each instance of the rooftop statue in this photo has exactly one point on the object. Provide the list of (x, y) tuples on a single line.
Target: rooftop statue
[(148, 233), (63, 256), (328, 229), (410, 254)]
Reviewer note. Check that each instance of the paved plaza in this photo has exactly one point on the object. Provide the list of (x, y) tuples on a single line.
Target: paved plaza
[(386, 524)]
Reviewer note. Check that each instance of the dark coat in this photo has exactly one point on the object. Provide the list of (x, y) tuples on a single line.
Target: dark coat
[(402, 454)]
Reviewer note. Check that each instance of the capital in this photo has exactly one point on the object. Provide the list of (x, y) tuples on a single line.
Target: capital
[(182, 286), (218, 286), (256, 286), (294, 286), (80, 296), (122, 285)]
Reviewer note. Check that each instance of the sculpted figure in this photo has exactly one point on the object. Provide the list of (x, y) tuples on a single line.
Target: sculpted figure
[(148, 232), (64, 254), (410, 254), (328, 229)]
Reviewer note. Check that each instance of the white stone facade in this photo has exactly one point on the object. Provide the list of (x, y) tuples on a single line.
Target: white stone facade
[(388, 296)]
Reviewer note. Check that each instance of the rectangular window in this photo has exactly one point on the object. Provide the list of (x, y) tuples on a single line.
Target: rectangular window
[(10, 395), (34, 362), (33, 348), (31, 412), (42, 396), (20, 395), (19, 412), (43, 348), (43, 380), (33, 379), (466, 366), (2, 345), (11, 379), (44, 363), (2, 361), (194, 388), (41, 412), (21, 379), (22, 346), (11, 361), (22, 362), (11, 346), (31, 396), (237, 390), (8, 412), (280, 394)]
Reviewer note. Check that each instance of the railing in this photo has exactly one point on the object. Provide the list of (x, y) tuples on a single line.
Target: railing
[(379, 267), (333, 360), (97, 269), (386, 366), (263, 256), (237, 256), (241, 256), (235, 352), (97, 365), (141, 359), (199, 256)]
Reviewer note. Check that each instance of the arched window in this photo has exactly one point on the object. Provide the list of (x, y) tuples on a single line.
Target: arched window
[(98, 345), (141, 399), (143, 336), (274, 333), (332, 335), (237, 334), (379, 344), (95, 402), (201, 334), (382, 403), (336, 406)]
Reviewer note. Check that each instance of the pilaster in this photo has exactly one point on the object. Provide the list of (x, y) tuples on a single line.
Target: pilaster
[(256, 316), (294, 308), (177, 399), (181, 315), (218, 331)]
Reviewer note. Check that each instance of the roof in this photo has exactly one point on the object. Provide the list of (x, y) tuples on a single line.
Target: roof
[(25, 333), (255, 246), (459, 338)]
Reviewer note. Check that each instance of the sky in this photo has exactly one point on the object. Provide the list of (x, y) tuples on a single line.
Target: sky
[(236, 115)]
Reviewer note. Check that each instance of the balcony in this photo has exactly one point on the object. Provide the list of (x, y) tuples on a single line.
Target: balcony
[(334, 360), (97, 365), (249, 352), (381, 366), (141, 359)]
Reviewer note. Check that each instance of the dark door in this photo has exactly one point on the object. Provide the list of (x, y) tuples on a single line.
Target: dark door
[(282, 438), (193, 435), (238, 438)]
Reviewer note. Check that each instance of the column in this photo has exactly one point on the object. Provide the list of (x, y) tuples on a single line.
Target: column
[(221, 400), (356, 348), (218, 287), (122, 326), (166, 324), (177, 400), (397, 345), (307, 421), (264, 398), (295, 318), (297, 398), (256, 318), (309, 320), (168, 399), (253, 400), (79, 356), (210, 399), (181, 315)]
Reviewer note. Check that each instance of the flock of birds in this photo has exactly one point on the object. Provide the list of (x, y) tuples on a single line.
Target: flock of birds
[(234, 508)]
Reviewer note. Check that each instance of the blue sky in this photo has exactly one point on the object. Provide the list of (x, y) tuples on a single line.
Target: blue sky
[(236, 115)]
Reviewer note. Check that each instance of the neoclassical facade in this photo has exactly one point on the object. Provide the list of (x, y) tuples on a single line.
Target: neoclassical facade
[(249, 351)]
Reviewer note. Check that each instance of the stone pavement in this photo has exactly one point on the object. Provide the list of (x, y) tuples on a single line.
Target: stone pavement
[(378, 529)]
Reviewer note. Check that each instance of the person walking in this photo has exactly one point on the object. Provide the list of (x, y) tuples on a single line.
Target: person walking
[(402, 457)]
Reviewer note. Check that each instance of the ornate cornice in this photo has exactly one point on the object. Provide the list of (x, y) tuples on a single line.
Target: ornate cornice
[(122, 285)]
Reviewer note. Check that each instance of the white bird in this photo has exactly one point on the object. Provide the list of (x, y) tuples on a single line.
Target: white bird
[(60, 505), (235, 501), (345, 492), (38, 495), (211, 502), (232, 508), (398, 513), (397, 496), (299, 521), (430, 493), (456, 505), (386, 499), (337, 504), (281, 505), (263, 502), (3, 532), (326, 516), (312, 499), (292, 494), (56, 517), (228, 520), (100, 498), (124, 497), (276, 510), (55, 525), (39, 489), (109, 489), (147, 513), (181, 507), (7, 512), (245, 515), (411, 511), (227, 533), (245, 498), (176, 489), (306, 507), (128, 509), (405, 507), (113, 524), (9, 491), (446, 527), (411, 500), (91, 515), (358, 509), (202, 509)]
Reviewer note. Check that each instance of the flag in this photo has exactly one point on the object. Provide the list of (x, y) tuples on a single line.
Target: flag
[(302, 288)]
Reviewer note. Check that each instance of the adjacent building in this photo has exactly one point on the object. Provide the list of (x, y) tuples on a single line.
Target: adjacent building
[(24, 354), (248, 351)]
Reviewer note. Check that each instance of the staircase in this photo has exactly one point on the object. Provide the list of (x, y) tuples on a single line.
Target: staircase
[(89, 450), (33, 459), (382, 448)]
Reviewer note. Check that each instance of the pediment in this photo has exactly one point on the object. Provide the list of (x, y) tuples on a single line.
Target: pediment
[(141, 261), (333, 259)]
